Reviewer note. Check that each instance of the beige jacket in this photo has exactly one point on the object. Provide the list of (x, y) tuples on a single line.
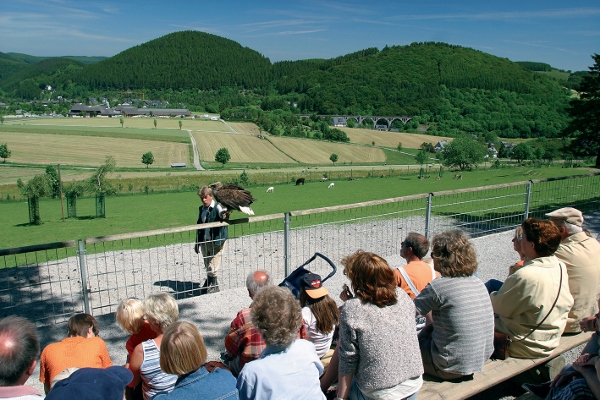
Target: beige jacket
[(581, 254), (524, 300)]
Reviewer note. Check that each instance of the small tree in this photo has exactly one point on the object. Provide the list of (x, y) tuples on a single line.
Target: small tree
[(180, 124), (37, 187), (122, 121), (148, 159), (154, 123), (399, 146), (4, 152), (53, 180), (521, 152), (97, 182), (464, 153), (244, 178), (2, 119), (421, 157), (222, 156), (333, 158)]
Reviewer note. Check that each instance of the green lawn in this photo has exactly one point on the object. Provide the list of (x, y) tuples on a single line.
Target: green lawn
[(142, 212)]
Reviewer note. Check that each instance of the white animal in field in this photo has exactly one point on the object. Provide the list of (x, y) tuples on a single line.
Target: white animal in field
[(270, 189), (331, 185)]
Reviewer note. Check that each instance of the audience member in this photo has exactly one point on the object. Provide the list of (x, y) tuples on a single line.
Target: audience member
[(493, 285), (320, 314), (416, 274), (378, 349), (80, 349), (182, 353), (161, 311), (289, 367), (244, 343), (581, 255), (459, 340), (131, 318), (19, 349), (533, 303), (92, 384)]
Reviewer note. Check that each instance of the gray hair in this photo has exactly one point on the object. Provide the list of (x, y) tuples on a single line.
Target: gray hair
[(570, 228), (277, 314), (254, 286)]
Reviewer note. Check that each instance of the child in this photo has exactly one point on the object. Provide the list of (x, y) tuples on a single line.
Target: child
[(320, 313), (130, 317)]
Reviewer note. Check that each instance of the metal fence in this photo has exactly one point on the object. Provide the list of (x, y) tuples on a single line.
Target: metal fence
[(49, 282)]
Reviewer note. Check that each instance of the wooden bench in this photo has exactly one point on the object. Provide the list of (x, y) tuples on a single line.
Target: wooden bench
[(494, 372)]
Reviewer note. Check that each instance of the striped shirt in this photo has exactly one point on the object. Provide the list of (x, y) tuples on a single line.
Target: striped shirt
[(463, 323), (154, 381)]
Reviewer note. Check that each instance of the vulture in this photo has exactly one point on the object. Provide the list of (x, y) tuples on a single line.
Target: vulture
[(233, 197)]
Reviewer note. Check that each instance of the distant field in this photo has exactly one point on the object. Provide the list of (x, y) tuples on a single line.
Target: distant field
[(90, 150), (318, 152), (144, 122), (242, 148), (245, 127), (390, 139)]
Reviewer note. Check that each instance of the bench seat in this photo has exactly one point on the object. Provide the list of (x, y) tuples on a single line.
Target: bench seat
[(494, 372)]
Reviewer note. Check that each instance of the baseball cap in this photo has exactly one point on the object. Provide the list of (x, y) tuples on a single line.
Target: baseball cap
[(311, 283), (92, 384), (567, 214)]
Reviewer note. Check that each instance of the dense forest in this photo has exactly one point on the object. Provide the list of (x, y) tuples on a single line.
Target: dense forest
[(445, 89)]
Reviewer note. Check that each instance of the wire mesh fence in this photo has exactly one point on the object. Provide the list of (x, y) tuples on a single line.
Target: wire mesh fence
[(49, 282)]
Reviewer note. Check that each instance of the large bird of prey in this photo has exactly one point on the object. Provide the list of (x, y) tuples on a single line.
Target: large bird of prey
[(233, 197)]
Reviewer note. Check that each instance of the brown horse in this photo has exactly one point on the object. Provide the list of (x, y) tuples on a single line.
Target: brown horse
[(299, 181)]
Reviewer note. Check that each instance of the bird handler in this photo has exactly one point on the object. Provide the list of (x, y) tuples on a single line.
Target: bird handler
[(210, 242)]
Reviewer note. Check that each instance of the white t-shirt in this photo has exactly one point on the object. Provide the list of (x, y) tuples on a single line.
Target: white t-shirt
[(321, 341)]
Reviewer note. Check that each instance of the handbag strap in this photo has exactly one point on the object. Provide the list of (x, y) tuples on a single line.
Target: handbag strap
[(408, 281), (560, 265)]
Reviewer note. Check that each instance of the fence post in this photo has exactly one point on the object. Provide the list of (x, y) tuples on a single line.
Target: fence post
[(286, 242), (527, 200), (428, 215), (83, 272)]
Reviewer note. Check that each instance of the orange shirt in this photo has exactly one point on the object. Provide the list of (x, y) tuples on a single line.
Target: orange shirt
[(73, 352), (419, 273)]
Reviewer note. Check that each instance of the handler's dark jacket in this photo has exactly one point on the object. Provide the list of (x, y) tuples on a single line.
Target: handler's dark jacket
[(218, 235)]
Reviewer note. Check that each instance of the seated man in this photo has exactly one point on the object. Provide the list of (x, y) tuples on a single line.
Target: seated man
[(244, 343), (416, 274), (19, 349), (288, 368)]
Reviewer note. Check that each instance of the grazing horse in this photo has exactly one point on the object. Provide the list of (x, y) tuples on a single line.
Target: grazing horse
[(331, 185), (270, 189), (437, 178), (300, 181), (458, 176)]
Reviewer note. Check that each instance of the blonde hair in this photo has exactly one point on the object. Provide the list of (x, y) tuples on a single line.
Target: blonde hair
[(130, 315), (182, 349), (162, 308)]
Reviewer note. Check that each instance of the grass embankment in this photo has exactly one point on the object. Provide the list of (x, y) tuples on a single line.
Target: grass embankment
[(136, 213)]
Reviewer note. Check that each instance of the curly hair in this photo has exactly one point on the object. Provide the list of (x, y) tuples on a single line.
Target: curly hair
[(182, 349), (371, 277), (277, 315), (418, 243), (79, 325), (324, 309), (544, 235), (162, 308), (453, 255), (130, 315)]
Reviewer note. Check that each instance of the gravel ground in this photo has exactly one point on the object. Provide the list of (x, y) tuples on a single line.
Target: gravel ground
[(213, 313)]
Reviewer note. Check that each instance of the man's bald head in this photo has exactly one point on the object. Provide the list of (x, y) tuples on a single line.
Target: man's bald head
[(256, 281), (19, 348)]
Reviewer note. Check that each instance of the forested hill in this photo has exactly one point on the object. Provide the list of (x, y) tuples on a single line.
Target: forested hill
[(181, 60)]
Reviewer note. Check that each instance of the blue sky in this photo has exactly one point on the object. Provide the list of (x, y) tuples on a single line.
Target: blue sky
[(563, 34)]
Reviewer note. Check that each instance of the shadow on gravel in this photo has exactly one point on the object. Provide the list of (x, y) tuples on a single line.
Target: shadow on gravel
[(182, 289)]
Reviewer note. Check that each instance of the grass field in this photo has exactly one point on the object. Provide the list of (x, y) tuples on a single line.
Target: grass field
[(140, 212), (90, 150), (306, 151), (390, 139)]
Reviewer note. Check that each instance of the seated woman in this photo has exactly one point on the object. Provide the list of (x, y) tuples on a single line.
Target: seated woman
[(288, 368), (320, 314), (460, 339), (536, 293), (493, 285), (182, 353), (161, 311), (378, 348), (81, 348)]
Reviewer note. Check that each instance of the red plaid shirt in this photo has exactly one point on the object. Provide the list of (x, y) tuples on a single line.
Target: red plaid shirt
[(244, 340)]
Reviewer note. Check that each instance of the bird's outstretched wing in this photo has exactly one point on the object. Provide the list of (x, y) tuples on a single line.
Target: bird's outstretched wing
[(233, 197)]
